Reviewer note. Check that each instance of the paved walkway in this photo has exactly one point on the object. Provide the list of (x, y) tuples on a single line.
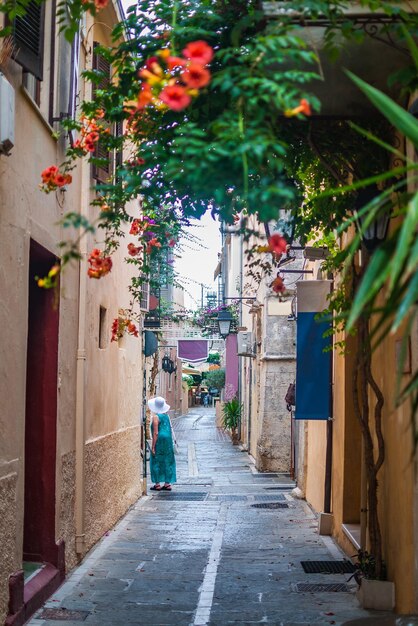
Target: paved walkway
[(208, 553)]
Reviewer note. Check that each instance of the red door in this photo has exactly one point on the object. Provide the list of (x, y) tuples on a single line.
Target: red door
[(41, 414)]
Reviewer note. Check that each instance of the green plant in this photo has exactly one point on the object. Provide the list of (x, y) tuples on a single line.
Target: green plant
[(231, 413), (215, 378), (366, 567), (188, 379), (214, 357)]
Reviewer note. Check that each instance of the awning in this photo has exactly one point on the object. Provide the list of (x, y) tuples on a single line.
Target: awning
[(192, 371), (193, 350)]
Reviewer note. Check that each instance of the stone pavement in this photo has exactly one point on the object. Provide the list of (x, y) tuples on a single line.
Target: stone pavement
[(208, 553)]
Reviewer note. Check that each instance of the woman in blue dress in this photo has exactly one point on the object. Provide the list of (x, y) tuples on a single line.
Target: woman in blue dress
[(162, 461)]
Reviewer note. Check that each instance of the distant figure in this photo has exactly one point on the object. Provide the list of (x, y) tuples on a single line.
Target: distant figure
[(162, 460), (206, 400)]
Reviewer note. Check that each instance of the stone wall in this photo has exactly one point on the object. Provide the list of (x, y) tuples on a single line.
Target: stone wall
[(8, 532), (273, 453), (112, 480)]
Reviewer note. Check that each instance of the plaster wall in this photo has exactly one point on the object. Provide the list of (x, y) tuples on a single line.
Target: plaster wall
[(25, 214), (113, 382), (110, 392)]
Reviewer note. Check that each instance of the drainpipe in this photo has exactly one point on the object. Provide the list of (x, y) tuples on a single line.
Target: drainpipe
[(328, 453), (363, 498), (240, 361), (80, 435), (80, 410)]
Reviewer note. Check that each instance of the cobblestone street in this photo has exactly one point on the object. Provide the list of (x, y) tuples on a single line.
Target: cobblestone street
[(224, 547)]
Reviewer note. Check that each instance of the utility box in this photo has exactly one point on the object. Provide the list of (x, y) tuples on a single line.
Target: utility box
[(245, 344), (7, 116)]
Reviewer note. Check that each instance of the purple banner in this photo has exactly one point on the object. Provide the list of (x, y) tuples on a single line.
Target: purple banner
[(231, 367), (193, 350)]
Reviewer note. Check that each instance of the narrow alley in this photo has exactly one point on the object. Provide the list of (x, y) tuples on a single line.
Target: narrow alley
[(224, 547)]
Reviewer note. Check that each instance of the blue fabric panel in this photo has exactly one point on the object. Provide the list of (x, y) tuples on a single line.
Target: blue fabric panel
[(313, 369)]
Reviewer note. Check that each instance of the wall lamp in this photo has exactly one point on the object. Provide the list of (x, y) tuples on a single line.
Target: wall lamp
[(376, 232), (224, 321)]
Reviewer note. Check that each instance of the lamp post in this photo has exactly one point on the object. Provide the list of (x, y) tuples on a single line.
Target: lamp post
[(224, 321)]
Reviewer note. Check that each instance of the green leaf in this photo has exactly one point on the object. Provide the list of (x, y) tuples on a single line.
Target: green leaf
[(374, 278), (407, 303), (411, 44), (401, 119), (406, 236)]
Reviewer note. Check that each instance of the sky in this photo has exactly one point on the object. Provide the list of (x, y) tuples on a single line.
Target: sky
[(197, 263)]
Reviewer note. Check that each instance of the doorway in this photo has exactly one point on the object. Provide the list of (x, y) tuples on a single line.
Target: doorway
[(39, 546)]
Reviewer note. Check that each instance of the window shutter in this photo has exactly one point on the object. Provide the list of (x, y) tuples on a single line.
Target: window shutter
[(102, 172), (144, 302), (75, 70), (28, 36)]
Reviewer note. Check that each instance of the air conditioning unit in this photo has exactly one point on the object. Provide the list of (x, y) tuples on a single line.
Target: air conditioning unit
[(7, 116), (245, 344)]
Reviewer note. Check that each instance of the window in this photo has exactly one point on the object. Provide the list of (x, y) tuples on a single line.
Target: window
[(28, 36), (101, 173), (144, 302), (75, 69), (103, 329)]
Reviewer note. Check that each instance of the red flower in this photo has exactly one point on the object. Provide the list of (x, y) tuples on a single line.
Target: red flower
[(99, 265), (100, 4), (135, 227), (150, 62), (196, 76), (90, 146), (277, 244), (49, 173), (198, 52), (304, 107), (133, 250), (175, 97), (60, 180), (93, 136), (145, 96), (153, 243), (115, 329), (278, 285), (172, 243), (173, 62), (132, 329)]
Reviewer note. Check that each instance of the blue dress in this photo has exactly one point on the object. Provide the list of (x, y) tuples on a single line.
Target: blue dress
[(163, 463)]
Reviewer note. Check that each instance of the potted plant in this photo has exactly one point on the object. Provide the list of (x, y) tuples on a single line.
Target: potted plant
[(231, 413), (374, 591)]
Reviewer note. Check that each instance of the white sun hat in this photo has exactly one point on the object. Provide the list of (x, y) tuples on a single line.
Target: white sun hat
[(158, 405)]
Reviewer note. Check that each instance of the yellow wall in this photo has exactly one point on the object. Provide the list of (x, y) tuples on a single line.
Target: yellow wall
[(396, 478), (315, 463), (397, 482)]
